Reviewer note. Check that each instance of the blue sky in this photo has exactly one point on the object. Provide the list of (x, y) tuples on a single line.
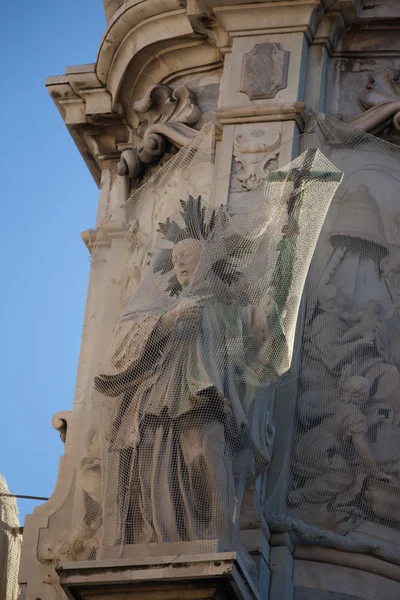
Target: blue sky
[(48, 198)]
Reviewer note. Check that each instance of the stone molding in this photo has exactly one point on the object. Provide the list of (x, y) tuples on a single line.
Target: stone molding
[(111, 7), (101, 133), (329, 31), (135, 27), (352, 560), (85, 106), (103, 236), (215, 572), (289, 16), (261, 114)]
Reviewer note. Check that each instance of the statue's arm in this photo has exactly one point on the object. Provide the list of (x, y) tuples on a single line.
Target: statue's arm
[(270, 357), (132, 352), (392, 312), (352, 317), (362, 449)]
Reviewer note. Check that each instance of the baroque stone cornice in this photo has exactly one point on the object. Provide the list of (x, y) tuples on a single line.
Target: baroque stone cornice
[(85, 106), (136, 26), (261, 113), (286, 16), (103, 236)]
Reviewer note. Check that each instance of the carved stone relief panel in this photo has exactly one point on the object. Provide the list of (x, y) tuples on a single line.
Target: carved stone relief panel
[(256, 152), (265, 71), (345, 462)]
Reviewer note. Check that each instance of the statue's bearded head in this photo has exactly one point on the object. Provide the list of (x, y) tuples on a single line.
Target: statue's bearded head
[(185, 258)]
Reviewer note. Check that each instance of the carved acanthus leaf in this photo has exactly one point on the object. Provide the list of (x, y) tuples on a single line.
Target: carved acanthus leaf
[(381, 100), (165, 115)]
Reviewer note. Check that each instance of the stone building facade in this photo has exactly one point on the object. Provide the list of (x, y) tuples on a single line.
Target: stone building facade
[(164, 69)]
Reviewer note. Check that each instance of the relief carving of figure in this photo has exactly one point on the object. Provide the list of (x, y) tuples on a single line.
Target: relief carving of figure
[(367, 322), (350, 349), (340, 438)]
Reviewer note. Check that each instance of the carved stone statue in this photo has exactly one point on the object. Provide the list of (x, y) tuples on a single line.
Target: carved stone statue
[(184, 377), (212, 318)]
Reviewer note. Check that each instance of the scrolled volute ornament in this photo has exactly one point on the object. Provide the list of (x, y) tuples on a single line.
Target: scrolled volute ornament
[(166, 116), (59, 422)]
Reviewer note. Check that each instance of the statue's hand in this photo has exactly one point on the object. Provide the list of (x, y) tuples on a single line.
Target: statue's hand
[(189, 309), (187, 318), (381, 476)]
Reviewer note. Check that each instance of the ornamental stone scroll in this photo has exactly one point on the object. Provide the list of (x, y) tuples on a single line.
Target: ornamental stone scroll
[(166, 116)]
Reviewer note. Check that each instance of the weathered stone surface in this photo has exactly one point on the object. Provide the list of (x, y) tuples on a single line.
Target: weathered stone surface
[(265, 71), (339, 580), (187, 577), (305, 593), (111, 6)]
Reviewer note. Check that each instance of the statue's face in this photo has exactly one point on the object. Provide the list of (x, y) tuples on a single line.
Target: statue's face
[(185, 258)]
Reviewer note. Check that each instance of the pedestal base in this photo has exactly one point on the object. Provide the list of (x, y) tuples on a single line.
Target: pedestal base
[(211, 576)]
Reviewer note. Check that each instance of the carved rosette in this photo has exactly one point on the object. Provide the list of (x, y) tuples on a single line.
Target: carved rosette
[(165, 116)]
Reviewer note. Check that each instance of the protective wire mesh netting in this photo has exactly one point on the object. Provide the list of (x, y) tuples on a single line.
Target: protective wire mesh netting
[(198, 306), (10, 544), (339, 479), (205, 311)]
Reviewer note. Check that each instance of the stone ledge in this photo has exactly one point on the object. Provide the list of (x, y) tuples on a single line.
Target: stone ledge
[(188, 577), (261, 114)]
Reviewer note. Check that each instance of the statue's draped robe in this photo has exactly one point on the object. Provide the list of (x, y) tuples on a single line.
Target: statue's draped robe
[(180, 424)]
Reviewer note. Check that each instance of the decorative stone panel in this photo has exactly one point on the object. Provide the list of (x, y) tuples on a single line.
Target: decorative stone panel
[(264, 71)]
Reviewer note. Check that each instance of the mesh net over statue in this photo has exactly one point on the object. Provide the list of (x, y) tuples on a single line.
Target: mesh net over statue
[(170, 440)]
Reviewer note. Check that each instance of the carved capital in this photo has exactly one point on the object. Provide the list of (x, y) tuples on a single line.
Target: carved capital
[(381, 101), (166, 116)]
